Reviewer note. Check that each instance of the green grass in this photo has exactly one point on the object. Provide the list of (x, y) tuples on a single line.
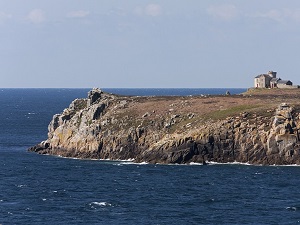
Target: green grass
[(234, 111)]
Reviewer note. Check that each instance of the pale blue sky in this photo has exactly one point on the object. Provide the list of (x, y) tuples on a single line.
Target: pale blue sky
[(141, 43)]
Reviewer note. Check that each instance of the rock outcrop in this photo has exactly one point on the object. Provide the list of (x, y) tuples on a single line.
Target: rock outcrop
[(174, 130)]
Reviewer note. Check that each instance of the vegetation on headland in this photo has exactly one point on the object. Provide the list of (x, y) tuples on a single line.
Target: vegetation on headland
[(177, 129)]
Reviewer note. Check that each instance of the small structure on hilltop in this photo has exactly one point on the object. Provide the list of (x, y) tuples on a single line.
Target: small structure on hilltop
[(270, 80)]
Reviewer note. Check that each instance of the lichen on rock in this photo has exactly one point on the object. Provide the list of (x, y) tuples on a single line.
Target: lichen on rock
[(197, 129)]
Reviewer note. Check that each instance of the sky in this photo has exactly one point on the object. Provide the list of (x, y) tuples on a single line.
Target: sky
[(147, 44)]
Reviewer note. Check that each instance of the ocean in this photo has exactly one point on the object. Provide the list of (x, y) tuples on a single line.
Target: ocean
[(42, 189)]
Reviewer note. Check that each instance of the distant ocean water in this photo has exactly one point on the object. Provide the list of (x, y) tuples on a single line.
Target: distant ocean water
[(40, 189), (174, 91)]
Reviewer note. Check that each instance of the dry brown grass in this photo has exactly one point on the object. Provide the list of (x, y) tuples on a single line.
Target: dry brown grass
[(214, 107)]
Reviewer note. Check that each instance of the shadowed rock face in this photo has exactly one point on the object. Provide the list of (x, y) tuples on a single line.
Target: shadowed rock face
[(172, 130), (283, 135)]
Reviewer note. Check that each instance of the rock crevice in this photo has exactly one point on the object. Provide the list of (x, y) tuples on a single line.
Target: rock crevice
[(165, 130)]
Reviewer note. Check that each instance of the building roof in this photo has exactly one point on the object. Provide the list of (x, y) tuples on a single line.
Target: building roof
[(284, 81), (262, 75), (275, 79)]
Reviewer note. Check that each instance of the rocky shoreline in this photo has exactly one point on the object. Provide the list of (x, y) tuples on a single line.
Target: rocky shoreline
[(258, 127)]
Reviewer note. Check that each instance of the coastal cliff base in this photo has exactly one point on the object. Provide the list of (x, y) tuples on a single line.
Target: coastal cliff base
[(258, 127)]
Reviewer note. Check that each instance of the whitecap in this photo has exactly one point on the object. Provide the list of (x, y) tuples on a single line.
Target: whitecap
[(108, 159), (231, 163), (64, 157), (291, 208), (119, 160), (102, 204), (130, 159), (249, 164), (286, 165), (133, 163), (195, 164)]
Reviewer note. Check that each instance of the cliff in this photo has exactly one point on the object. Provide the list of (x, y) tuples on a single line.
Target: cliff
[(256, 127)]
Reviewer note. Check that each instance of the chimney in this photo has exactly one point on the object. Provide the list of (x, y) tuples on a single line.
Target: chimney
[(272, 74)]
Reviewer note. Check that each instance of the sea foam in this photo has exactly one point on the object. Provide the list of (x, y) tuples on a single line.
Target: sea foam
[(95, 205)]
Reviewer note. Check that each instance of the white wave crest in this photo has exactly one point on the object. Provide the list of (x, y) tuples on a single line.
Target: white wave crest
[(230, 163), (291, 165), (100, 204), (291, 208), (195, 164)]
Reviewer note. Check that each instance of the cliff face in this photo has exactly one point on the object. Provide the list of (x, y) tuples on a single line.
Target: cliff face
[(175, 130)]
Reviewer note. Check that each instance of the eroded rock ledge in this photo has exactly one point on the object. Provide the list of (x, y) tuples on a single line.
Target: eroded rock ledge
[(223, 129)]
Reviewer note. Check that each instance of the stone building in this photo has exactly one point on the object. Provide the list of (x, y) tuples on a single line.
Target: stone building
[(270, 80)]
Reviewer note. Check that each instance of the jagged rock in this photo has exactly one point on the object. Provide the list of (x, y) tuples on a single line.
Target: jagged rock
[(93, 96), (105, 126), (283, 133), (78, 104)]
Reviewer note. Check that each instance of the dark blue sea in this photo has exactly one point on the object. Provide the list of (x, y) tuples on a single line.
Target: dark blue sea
[(41, 189)]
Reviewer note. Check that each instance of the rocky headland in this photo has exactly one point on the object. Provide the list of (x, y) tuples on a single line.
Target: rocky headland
[(257, 127)]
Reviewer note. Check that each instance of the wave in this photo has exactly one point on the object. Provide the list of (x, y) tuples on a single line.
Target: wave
[(291, 165), (100, 203), (249, 164), (292, 208), (195, 164), (131, 162), (104, 160), (232, 163)]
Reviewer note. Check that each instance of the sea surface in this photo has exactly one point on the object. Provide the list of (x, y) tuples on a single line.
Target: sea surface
[(42, 189)]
